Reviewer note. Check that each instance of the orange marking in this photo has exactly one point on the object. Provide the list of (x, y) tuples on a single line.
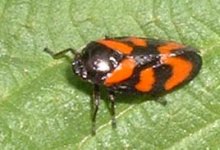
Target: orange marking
[(181, 70), (138, 41), (117, 46), (169, 47), (147, 80), (122, 72)]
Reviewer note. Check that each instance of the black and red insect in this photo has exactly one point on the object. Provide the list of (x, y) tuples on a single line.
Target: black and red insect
[(133, 64)]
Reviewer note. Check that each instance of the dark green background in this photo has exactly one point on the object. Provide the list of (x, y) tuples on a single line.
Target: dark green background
[(43, 106)]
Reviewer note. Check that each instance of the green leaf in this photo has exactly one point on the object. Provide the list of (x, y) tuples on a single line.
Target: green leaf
[(44, 106)]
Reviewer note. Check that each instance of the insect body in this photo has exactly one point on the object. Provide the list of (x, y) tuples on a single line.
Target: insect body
[(133, 64)]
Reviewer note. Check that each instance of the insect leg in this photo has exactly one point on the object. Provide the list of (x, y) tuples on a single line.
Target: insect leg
[(112, 99), (96, 99)]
